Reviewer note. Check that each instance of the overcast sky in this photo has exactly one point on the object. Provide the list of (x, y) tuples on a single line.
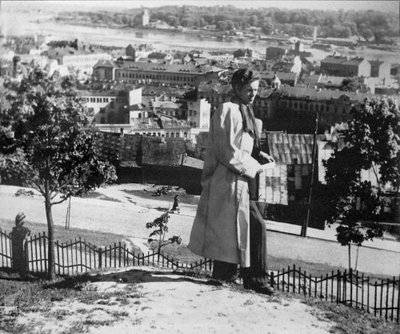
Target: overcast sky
[(387, 6)]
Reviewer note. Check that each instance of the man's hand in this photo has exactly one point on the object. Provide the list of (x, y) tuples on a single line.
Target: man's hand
[(266, 161), (265, 158)]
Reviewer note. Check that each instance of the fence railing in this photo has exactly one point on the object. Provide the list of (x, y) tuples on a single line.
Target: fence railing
[(5, 250), (379, 297), (79, 256)]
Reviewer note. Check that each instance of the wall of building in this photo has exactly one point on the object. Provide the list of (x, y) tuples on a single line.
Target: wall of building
[(135, 96), (199, 113), (83, 62), (364, 68)]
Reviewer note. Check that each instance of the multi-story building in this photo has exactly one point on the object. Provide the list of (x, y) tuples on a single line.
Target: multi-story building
[(198, 113), (294, 109), (111, 106), (104, 70), (171, 74), (273, 52), (78, 59), (345, 66)]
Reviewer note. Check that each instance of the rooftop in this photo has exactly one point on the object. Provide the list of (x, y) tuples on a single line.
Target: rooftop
[(321, 94), (291, 149), (342, 60)]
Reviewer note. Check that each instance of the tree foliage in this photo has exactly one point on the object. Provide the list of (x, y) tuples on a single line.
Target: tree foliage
[(53, 141), (371, 142), (368, 24), (160, 228), (47, 141)]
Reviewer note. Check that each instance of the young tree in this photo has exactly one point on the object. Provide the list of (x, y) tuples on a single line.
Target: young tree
[(371, 142), (50, 143), (160, 228)]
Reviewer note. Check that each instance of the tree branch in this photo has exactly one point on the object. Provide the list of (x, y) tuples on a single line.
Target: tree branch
[(61, 200)]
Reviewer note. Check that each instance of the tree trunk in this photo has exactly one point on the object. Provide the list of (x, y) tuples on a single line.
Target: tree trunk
[(50, 228)]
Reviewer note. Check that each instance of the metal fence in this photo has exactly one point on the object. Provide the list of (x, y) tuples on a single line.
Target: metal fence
[(379, 297)]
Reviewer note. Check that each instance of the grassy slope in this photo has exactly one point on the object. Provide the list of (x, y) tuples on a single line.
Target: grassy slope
[(63, 235)]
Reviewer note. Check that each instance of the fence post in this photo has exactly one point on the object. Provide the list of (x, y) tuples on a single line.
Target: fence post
[(351, 287), (100, 252), (19, 233), (398, 300)]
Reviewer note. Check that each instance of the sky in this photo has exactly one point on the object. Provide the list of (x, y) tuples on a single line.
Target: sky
[(386, 6)]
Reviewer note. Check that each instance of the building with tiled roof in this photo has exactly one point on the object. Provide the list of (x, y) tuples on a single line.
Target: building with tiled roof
[(285, 188)]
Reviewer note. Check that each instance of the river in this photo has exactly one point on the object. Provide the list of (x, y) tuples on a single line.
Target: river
[(23, 23)]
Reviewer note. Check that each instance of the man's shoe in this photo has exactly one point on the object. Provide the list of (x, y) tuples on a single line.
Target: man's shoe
[(258, 285)]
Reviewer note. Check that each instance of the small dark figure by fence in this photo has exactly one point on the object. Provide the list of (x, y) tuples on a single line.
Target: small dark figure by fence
[(18, 236)]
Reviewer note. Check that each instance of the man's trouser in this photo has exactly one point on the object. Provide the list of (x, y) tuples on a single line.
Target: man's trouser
[(258, 250)]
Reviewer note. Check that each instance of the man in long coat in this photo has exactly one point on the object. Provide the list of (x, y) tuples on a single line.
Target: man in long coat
[(221, 229)]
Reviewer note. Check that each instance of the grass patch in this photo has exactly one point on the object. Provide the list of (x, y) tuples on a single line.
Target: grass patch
[(63, 235), (39, 296), (352, 321)]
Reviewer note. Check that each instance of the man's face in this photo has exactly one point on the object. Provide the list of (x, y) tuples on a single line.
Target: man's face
[(247, 93)]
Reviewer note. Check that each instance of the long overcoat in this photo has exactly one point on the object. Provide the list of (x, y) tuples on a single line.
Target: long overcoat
[(221, 229)]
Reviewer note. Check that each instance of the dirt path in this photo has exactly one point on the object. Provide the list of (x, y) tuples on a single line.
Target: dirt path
[(147, 302)]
